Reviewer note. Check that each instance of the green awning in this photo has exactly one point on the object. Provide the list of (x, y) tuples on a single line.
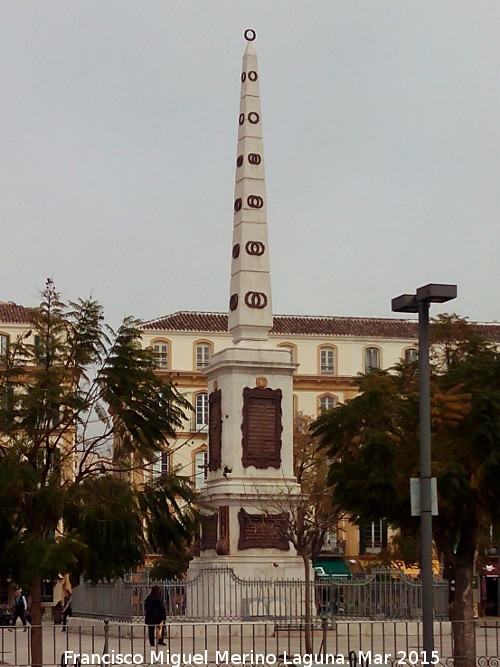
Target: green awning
[(338, 568)]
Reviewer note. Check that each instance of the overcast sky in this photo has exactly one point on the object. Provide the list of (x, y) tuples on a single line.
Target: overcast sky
[(118, 126)]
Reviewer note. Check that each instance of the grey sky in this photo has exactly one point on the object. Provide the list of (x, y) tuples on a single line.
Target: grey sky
[(118, 128)]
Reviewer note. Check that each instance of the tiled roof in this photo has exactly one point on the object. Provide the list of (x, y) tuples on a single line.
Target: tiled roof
[(189, 321), (490, 330), (11, 313), (291, 325), (307, 325), (372, 327)]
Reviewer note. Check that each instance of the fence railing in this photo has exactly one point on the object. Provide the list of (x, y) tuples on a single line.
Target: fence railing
[(379, 642), (219, 595)]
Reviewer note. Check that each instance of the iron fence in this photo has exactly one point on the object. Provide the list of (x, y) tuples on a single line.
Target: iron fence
[(393, 643), (219, 595)]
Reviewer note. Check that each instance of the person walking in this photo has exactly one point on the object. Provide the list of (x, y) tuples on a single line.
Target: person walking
[(20, 607), (155, 616), (66, 608)]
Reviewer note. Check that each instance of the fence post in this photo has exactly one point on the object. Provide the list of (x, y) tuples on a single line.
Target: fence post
[(105, 650), (324, 622)]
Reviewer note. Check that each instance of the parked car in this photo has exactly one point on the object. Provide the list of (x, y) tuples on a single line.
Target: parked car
[(5, 615)]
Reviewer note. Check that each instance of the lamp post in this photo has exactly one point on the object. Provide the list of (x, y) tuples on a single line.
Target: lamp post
[(420, 303)]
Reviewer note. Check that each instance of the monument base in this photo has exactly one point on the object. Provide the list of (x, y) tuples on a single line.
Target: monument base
[(246, 588)]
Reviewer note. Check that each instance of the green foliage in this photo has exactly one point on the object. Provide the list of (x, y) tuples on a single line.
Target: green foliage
[(103, 523), (173, 516), (172, 508), (146, 408), (373, 443), (81, 409)]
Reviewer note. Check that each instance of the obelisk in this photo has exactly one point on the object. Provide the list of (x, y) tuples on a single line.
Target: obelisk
[(250, 481)]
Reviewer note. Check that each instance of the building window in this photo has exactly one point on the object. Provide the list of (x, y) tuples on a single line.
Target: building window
[(161, 466), (372, 359), (291, 348), (201, 412), (327, 360), (411, 355), (332, 543), (326, 402), (373, 537), (203, 354), (4, 346), (160, 352), (200, 468)]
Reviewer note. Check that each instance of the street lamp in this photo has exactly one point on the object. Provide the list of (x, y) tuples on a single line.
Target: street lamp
[(420, 303)]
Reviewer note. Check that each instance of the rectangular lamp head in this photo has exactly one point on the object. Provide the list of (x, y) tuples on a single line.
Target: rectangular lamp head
[(436, 293), (406, 303)]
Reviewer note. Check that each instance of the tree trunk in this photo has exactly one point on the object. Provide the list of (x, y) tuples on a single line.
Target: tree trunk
[(462, 614), (307, 602), (36, 623)]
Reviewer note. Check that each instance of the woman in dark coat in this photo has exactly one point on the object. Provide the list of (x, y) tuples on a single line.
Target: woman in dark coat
[(66, 608), (155, 614)]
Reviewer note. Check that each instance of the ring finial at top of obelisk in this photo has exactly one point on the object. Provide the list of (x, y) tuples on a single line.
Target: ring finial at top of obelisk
[(249, 35)]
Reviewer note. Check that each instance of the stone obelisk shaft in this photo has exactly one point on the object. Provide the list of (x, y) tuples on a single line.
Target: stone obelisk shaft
[(250, 307)]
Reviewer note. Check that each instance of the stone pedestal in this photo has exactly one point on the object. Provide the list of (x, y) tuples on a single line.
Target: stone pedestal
[(250, 483)]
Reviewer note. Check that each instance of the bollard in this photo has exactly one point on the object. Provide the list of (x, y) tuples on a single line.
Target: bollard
[(105, 650)]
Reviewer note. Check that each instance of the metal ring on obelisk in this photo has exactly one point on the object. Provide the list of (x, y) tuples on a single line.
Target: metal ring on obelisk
[(233, 302), (256, 300), (250, 35)]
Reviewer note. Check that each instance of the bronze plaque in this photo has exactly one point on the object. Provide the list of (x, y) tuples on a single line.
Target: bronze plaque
[(214, 430), (261, 427), (261, 531), (208, 532), (222, 547)]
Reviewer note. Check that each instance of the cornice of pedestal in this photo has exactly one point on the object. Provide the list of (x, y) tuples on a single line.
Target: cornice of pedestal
[(250, 360)]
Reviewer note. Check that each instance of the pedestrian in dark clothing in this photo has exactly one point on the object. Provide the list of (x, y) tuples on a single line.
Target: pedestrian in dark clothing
[(66, 608), (155, 615), (20, 607)]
